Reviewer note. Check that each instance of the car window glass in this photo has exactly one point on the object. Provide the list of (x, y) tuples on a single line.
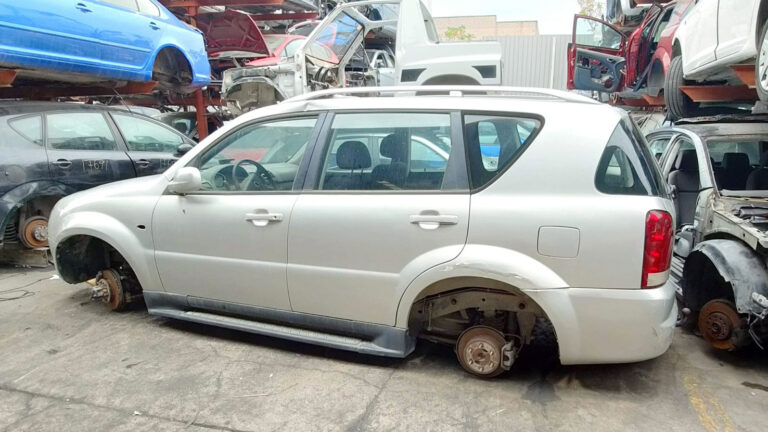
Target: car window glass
[(494, 143), (128, 4), (626, 166), (257, 157), (387, 152), (31, 128), (79, 131), (148, 8), (292, 47), (591, 33), (338, 36), (144, 135), (718, 149), (658, 146)]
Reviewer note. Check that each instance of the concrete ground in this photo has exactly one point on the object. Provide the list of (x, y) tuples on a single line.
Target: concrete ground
[(67, 364)]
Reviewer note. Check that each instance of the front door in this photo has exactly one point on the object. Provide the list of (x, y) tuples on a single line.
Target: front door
[(595, 61), (381, 206), (228, 241), (83, 151), (151, 146)]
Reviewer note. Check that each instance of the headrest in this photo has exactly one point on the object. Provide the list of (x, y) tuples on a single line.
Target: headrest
[(394, 147), (764, 159), (687, 161), (736, 161), (353, 155)]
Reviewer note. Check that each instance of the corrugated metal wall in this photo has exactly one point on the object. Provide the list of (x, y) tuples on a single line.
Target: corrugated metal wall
[(535, 61)]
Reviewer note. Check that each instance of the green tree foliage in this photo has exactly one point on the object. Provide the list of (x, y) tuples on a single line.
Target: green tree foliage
[(593, 8), (458, 34)]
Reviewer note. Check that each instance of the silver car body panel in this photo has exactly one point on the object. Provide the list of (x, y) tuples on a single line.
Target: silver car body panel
[(358, 257)]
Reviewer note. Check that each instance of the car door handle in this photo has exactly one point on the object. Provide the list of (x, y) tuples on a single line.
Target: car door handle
[(63, 163), (153, 25), (83, 7), (427, 221), (142, 163), (263, 218)]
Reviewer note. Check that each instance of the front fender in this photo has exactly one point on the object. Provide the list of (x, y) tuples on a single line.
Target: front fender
[(19, 195), (136, 250), (740, 266), (482, 262)]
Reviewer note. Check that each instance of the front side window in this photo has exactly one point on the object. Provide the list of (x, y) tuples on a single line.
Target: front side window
[(658, 146), (387, 152), (292, 47), (31, 128), (144, 135), (626, 166), (257, 157), (494, 143), (79, 131), (592, 33)]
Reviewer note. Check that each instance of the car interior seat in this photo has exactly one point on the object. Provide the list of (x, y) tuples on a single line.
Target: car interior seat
[(394, 174), (685, 178), (758, 179), (736, 169), (353, 156)]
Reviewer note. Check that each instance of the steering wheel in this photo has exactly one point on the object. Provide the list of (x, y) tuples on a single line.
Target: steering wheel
[(261, 180)]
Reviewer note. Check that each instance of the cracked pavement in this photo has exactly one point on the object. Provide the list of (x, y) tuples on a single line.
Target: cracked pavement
[(68, 364)]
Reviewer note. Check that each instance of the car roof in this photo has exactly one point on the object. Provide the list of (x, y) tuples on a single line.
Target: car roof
[(30, 107), (707, 130)]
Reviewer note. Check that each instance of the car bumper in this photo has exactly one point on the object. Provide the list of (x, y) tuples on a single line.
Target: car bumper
[(610, 325)]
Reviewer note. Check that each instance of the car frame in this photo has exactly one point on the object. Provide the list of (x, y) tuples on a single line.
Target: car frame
[(370, 270)]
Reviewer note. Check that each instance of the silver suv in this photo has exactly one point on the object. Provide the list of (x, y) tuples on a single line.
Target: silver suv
[(485, 218)]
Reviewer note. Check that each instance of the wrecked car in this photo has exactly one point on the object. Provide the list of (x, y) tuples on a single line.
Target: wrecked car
[(718, 169), (338, 54), (631, 66), (367, 223), (50, 150)]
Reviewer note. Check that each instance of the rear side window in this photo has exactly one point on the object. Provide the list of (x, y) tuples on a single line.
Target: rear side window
[(494, 143), (31, 128), (626, 166)]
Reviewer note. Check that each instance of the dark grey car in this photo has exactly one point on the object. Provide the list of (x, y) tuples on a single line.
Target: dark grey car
[(50, 150)]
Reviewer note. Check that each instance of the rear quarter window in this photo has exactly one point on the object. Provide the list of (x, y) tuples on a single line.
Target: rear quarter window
[(626, 166)]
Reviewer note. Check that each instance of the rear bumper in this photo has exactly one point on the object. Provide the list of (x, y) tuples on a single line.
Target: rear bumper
[(610, 325)]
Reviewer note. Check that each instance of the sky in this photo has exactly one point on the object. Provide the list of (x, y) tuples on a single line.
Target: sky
[(554, 16)]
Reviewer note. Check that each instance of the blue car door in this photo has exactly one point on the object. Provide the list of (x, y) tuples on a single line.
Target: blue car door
[(128, 37), (47, 33)]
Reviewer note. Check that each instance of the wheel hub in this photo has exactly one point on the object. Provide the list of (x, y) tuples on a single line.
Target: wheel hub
[(34, 233), (482, 357), (718, 324)]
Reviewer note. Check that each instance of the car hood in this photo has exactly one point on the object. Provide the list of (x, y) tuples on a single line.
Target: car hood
[(749, 214), (232, 31)]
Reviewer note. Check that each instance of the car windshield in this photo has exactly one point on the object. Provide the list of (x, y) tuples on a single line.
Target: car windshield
[(273, 42), (338, 36), (740, 164)]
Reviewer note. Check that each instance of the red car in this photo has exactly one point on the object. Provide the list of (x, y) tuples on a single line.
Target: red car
[(631, 67), (280, 46)]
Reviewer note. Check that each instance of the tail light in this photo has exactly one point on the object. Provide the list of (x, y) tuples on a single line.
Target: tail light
[(659, 234)]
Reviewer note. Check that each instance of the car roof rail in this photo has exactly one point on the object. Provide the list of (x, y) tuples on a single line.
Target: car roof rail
[(447, 90)]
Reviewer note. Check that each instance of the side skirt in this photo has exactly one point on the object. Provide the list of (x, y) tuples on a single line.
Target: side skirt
[(364, 338)]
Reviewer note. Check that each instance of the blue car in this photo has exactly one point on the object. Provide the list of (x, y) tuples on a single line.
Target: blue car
[(92, 41)]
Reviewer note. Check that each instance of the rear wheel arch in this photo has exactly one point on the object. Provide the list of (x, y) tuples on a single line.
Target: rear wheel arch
[(172, 66), (514, 300), (452, 79)]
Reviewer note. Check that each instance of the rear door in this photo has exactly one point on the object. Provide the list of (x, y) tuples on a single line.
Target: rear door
[(128, 36), (359, 233), (83, 151), (595, 56), (152, 147)]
